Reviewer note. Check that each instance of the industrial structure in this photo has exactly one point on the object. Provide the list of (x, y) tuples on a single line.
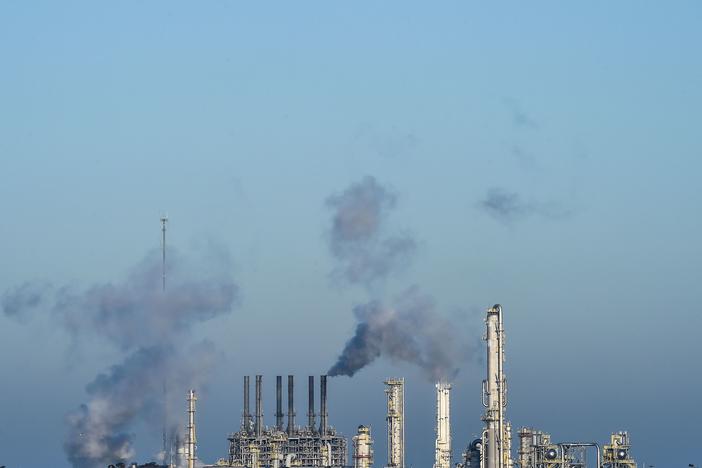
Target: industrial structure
[(362, 448), (190, 454), (287, 444), (442, 455), (536, 449), (395, 392), (258, 445)]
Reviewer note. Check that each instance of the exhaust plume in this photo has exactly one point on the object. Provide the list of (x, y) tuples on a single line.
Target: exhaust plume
[(508, 206), (18, 302), (356, 240), (410, 331), (153, 329)]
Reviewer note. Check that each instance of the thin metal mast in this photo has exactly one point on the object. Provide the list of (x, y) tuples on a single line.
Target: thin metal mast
[(164, 220)]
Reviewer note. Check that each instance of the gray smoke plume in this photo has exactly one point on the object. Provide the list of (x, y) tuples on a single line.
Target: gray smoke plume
[(18, 302), (129, 392), (153, 328), (508, 206), (410, 331), (356, 239), (137, 311)]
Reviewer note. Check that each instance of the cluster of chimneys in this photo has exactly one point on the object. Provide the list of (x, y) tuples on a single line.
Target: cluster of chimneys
[(257, 426)]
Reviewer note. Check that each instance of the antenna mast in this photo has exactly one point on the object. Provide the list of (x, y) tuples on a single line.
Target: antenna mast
[(164, 220)]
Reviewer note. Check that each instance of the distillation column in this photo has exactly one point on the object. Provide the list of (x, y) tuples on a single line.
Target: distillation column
[(362, 448), (395, 392), (191, 428), (443, 426), (496, 436)]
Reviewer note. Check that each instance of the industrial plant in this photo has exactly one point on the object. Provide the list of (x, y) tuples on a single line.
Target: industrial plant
[(287, 444)]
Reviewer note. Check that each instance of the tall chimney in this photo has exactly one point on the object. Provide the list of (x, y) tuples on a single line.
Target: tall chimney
[(246, 415), (259, 407), (291, 405), (323, 405), (191, 429), (279, 403), (310, 405)]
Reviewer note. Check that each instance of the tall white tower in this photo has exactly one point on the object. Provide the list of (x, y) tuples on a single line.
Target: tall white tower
[(395, 392), (443, 426), (363, 448), (191, 428), (497, 436)]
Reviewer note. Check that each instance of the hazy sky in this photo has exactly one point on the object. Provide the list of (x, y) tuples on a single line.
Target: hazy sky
[(542, 155)]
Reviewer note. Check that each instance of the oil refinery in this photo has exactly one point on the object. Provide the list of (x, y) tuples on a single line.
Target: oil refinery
[(287, 444)]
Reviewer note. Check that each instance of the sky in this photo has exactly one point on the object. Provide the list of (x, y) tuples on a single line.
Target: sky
[(544, 156)]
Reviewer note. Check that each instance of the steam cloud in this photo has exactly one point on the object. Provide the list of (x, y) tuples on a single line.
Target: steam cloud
[(356, 241), (153, 330), (508, 206), (408, 331)]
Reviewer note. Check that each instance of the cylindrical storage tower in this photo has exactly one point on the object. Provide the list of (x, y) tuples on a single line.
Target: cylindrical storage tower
[(442, 455), (191, 429), (362, 448), (395, 392), (525, 441), (497, 433)]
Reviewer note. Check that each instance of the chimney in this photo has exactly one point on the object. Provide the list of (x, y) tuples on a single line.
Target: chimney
[(323, 405), (291, 406), (191, 429), (310, 412), (279, 403), (246, 415), (259, 407)]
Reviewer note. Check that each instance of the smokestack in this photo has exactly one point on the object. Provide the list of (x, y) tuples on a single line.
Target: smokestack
[(310, 404), (279, 403), (246, 415), (395, 392), (291, 405), (259, 407), (442, 454), (191, 428), (323, 405)]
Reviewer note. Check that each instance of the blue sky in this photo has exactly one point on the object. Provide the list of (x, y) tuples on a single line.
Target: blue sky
[(240, 119)]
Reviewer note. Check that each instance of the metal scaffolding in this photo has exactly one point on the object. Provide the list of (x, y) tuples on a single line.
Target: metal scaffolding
[(304, 446)]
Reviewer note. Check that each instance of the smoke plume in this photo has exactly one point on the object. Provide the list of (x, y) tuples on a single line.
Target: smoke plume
[(509, 206), (409, 331), (18, 302), (364, 255), (153, 330)]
